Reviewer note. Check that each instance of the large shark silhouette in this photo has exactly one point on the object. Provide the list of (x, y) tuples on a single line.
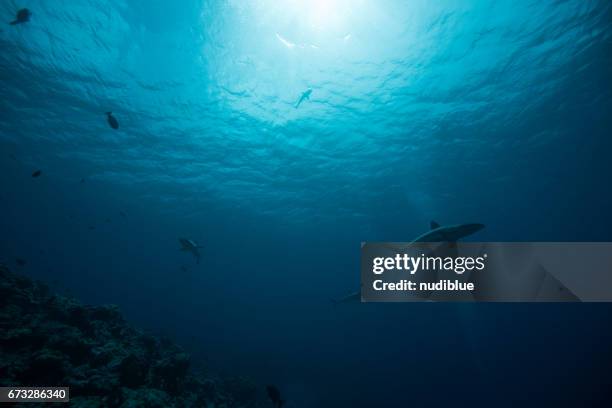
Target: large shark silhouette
[(445, 235)]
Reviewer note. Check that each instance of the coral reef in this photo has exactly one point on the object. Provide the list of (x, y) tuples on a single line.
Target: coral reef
[(51, 340)]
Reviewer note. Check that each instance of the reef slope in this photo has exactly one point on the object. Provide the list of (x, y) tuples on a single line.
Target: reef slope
[(52, 340)]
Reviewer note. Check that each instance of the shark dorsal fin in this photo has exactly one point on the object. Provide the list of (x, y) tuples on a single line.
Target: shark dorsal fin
[(434, 225)]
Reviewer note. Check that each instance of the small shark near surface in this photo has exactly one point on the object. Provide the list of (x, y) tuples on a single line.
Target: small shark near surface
[(189, 245), (305, 96)]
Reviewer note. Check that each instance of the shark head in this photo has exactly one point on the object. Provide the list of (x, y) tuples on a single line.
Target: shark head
[(448, 233)]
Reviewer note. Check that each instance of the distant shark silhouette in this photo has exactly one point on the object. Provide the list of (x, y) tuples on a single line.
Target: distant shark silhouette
[(449, 234), (305, 96), (188, 245)]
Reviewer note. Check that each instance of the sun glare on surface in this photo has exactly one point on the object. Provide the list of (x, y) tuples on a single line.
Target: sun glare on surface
[(317, 15), (325, 13)]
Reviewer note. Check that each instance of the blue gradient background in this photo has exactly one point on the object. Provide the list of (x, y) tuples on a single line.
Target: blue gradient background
[(459, 111)]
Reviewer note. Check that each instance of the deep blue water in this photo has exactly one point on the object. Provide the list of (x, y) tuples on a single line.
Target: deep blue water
[(459, 111)]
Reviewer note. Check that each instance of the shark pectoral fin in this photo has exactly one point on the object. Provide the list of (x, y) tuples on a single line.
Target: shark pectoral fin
[(434, 225)]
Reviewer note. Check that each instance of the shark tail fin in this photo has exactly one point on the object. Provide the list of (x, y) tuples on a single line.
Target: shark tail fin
[(434, 225)]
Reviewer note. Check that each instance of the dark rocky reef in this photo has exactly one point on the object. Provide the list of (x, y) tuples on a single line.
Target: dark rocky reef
[(51, 340)]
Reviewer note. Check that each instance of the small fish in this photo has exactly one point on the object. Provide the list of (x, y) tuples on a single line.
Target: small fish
[(23, 16), (37, 173), (122, 214), (82, 180), (21, 261), (91, 228), (112, 121), (184, 268), (274, 395)]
